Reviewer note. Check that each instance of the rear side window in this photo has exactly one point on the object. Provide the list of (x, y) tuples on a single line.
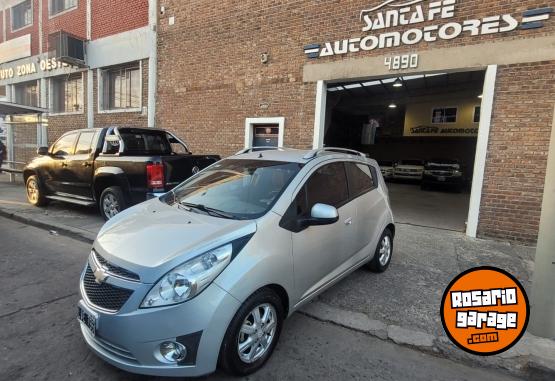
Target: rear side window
[(328, 185), (84, 143), (64, 146), (145, 142), (360, 179)]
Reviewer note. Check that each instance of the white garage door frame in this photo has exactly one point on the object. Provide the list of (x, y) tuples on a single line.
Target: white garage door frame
[(251, 122), (481, 145)]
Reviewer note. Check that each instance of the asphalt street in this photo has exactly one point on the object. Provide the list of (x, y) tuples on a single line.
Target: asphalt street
[(40, 338)]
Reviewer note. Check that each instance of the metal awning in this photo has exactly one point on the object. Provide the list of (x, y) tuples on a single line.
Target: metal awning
[(7, 108)]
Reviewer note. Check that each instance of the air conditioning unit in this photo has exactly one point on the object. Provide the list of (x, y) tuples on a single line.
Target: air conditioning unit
[(67, 48)]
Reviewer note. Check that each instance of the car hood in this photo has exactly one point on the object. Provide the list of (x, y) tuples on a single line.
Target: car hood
[(152, 238)]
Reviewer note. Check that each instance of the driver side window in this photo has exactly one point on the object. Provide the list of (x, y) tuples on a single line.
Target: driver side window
[(65, 145), (327, 185)]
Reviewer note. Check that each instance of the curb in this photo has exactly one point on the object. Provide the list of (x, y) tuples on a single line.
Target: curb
[(58, 228), (532, 358)]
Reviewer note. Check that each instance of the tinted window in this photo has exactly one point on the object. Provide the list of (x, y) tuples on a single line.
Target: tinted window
[(328, 185), (65, 145), (145, 142), (360, 179), (84, 143)]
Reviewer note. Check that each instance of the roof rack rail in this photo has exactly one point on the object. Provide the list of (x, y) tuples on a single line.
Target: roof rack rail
[(314, 153), (260, 148)]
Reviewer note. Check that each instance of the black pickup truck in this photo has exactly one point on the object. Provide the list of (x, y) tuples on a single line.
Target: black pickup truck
[(113, 167)]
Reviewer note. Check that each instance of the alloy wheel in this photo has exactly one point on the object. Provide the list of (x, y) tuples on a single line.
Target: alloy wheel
[(257, 333), (32, 191), (385, 250), (110, 205)]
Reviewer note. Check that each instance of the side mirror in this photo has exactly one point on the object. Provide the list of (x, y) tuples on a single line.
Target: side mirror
[(321, 214), (42, 151)]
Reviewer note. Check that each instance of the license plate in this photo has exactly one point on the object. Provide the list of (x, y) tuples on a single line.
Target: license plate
[(441, 178), (88, 319)]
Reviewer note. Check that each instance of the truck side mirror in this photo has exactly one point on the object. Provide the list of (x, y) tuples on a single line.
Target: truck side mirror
[(42, 151)]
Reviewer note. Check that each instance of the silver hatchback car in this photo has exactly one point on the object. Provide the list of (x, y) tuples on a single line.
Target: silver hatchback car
[(205, 274)]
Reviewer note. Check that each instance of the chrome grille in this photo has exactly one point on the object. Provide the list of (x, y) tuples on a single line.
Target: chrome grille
[(104, 295), (113, 269)]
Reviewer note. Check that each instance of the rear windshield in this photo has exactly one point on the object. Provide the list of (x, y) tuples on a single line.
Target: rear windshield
[(140, 142)]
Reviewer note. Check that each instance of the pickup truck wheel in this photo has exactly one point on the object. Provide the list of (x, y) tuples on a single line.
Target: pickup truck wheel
[(35, 194), (111, 202)]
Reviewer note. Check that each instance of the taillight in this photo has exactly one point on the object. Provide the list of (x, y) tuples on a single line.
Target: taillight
[(155, 176)]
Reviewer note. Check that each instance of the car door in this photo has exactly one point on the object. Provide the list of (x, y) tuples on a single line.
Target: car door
[(370, 206), (64, 147), (319, 251), (80, 166)]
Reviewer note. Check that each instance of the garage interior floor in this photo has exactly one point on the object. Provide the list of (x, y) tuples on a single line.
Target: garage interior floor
[(431, 208)]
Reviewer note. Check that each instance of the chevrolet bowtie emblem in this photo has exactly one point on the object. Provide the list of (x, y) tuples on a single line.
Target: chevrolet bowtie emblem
[(100, 275)]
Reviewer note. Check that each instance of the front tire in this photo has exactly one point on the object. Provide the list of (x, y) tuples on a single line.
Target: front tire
[(111, 202), (253, 333), (35, 194), (383, 254)]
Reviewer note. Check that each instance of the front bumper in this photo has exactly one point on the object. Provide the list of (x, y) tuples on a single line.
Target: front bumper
[(130, 338)]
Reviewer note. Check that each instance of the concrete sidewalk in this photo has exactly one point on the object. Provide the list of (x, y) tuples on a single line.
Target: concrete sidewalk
[(80, 222), (400, 305)]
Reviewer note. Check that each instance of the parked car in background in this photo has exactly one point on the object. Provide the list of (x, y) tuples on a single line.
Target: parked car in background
[(410, 169), (112, 167), (387, 168), (443, 172), (207, 273)]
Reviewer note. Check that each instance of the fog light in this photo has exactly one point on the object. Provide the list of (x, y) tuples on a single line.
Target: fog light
[(172, 351)]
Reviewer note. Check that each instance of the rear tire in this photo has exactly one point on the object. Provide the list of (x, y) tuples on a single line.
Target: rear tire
[(111, 202), (383, 254), (34, 190), (263, 335)]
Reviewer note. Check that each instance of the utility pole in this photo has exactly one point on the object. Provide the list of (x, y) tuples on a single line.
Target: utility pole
[(542, 314)]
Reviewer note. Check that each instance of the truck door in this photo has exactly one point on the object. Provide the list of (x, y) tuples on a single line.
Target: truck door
[(80, 166), (58, 177)]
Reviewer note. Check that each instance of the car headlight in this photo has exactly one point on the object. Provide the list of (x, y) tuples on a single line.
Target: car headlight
[(189, 279)]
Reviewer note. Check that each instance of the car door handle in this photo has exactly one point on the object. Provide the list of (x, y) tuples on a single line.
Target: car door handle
[(349, 221), (86, 164), (64, 165)]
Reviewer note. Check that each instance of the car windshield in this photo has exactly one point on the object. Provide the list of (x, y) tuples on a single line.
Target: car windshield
[(235, 188)]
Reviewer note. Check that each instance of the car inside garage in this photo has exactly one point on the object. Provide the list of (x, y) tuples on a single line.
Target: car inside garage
[(422, 129)]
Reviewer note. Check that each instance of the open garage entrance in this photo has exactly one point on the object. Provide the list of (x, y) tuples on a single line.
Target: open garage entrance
[(422, 129)]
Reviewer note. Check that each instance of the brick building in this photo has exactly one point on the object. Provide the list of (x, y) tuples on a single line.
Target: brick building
[(109, 84), (358, 73)]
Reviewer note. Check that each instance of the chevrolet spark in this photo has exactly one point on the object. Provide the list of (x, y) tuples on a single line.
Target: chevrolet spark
[(206, 274)]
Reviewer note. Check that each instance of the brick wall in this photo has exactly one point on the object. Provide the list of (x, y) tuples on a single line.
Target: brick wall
[(517, 153), (112, 17), (211, 79)]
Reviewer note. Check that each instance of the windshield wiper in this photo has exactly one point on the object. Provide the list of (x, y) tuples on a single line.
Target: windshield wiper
[(208, 210)]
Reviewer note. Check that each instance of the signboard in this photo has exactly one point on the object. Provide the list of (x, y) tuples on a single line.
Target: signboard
[(413, 14), (28, 68), (16, 48)]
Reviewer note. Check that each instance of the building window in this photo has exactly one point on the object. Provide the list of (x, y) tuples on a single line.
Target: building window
[(2, 91), (58, 6), (121, 88), (67, 94), (27, 94), (444, 115), (22, 15), (477, 110)]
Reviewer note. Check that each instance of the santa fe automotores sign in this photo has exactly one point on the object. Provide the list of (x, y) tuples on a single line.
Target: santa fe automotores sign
[(399, 13)]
